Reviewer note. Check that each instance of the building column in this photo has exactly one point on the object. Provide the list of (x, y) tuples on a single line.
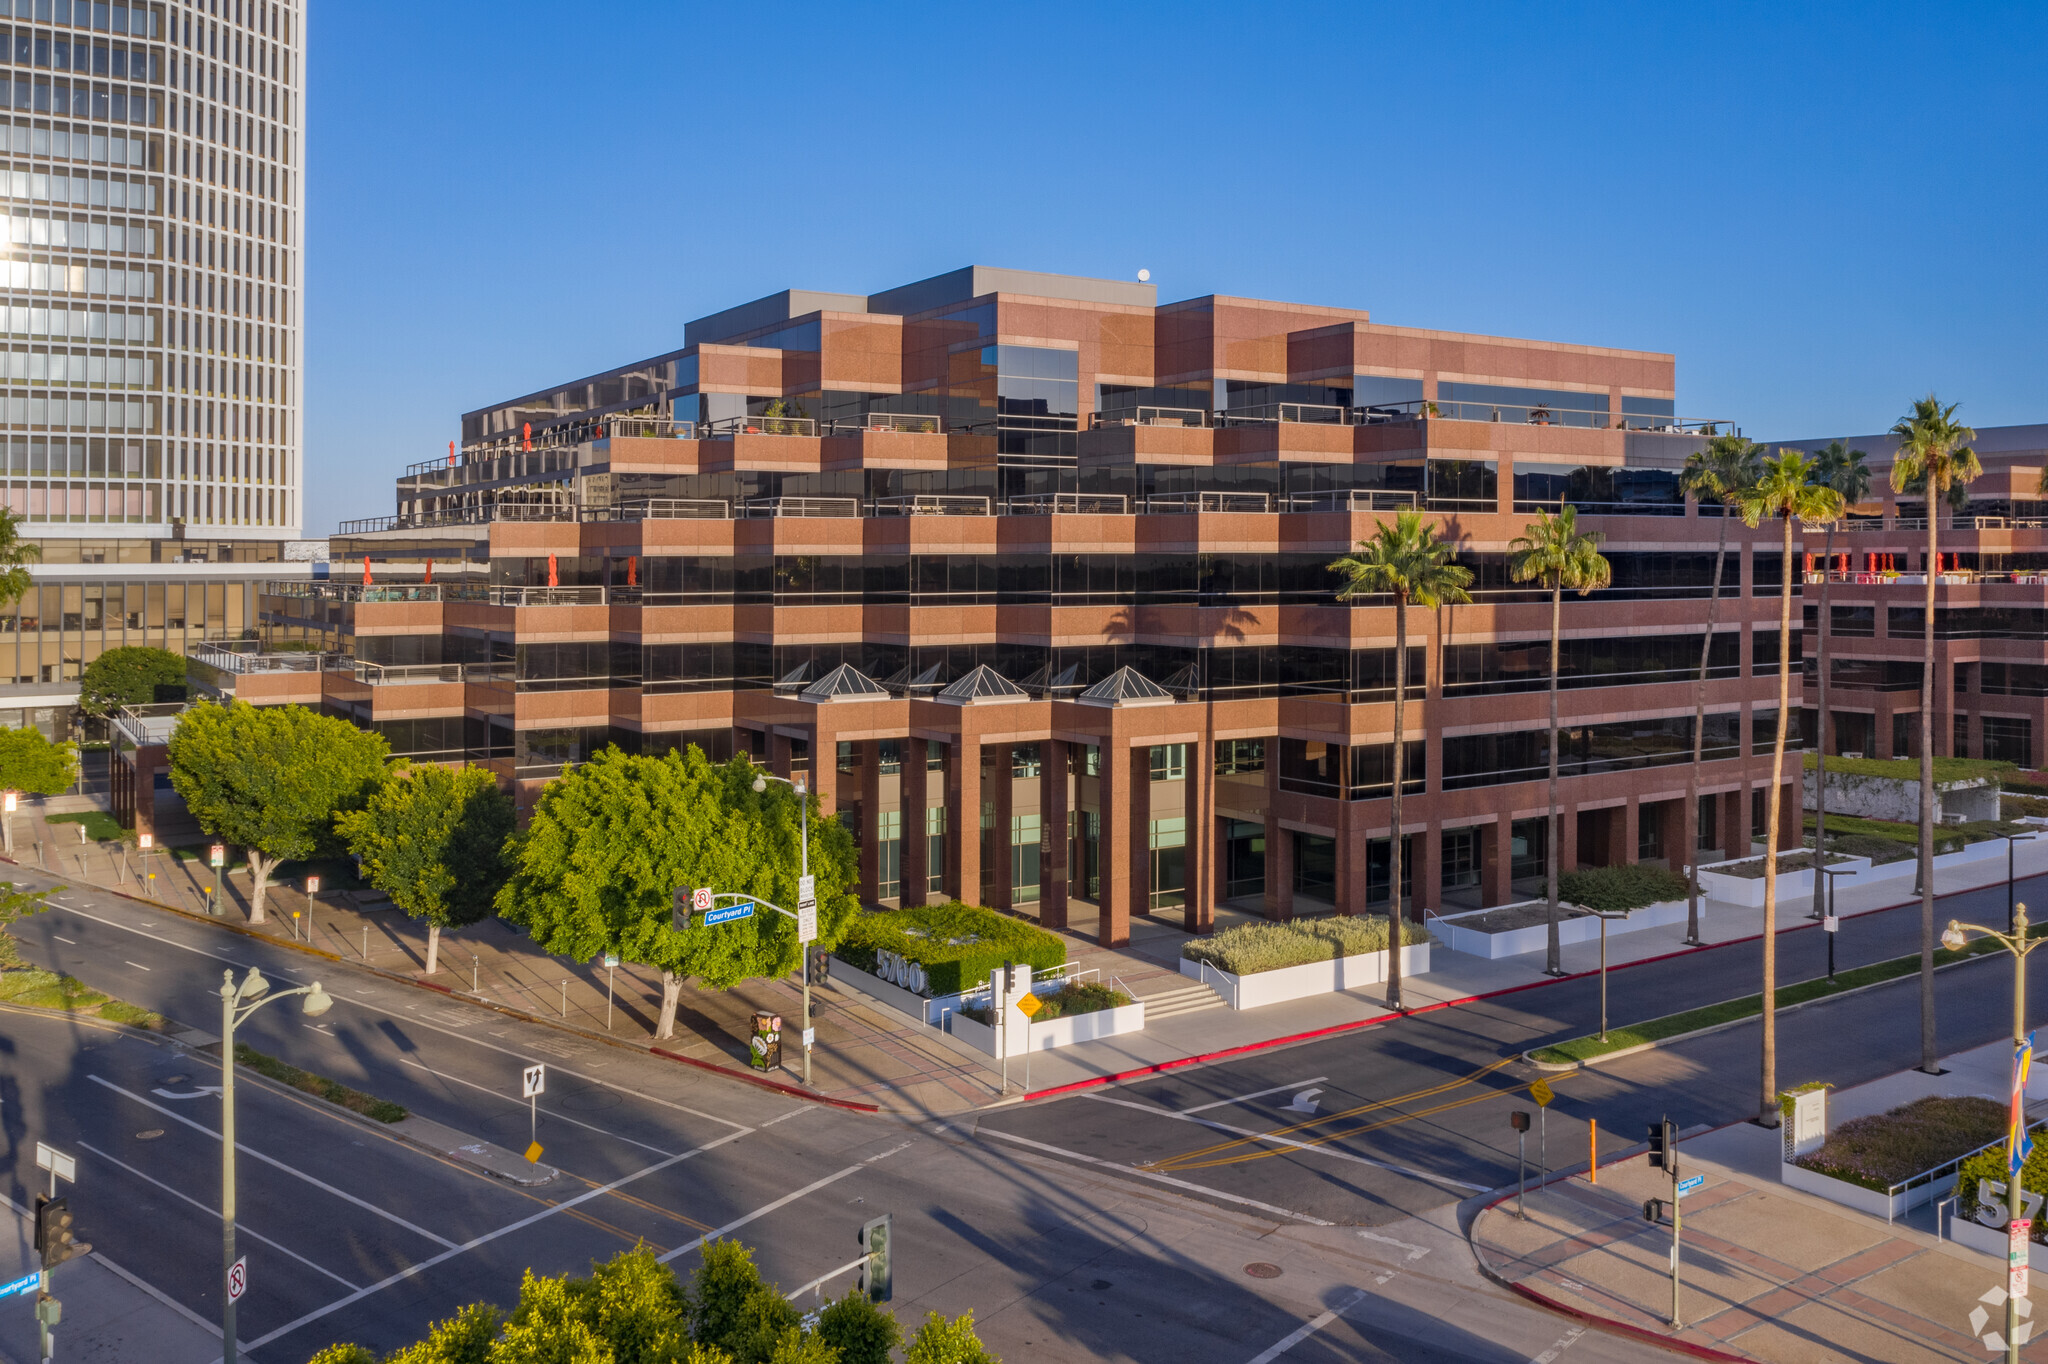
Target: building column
[(1567, 838), (1349, 891), (1053, 804), (1734, 825), (870, 751), (963, 820), (825, 772), (1001, 787), (1496, 862), (1138, 764), (1791, 817), (1113, 923), (778, 754), (1204, 867), (916, 852), (1278, 899), (1631, 831), (1429, 868)]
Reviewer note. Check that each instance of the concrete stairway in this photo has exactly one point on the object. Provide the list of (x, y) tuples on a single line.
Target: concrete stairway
[(1185, 999)]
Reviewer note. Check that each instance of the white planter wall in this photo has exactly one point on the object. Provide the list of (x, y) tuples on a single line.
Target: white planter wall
[(1856, 1196), (1792, 885), (1310, 978), (1058, 1032), (1536, 938), (895, 996)]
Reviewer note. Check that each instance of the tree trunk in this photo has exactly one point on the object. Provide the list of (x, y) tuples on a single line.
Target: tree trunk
[(433, 948), (1699, 740), (671, 994), (1928, 1061), (1555, 964), (1767, 1107), (260, 868), (1821, 626), (1394, 834)]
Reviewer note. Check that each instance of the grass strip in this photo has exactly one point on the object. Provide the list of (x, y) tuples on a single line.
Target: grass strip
[(1728, 1011), (334, 1091), (37, 989)]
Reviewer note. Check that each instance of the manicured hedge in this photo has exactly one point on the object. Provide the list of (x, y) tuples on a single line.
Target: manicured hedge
[(1628, 886), (1886, 1149), (1250, 948), (957, 944)]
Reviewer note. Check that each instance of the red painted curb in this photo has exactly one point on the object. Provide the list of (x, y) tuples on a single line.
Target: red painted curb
[(764, 1083), (1161, 1067), (247, 932)]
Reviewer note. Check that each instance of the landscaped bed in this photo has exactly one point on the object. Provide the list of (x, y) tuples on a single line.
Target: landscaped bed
[(1885, 1150), (1066, 1002), (1991, 1165), (1249, 949), (335, 1092), (1510, 918), (1884, 841), (1627, 886), (956, 944), (49, 990), (1753, 870)]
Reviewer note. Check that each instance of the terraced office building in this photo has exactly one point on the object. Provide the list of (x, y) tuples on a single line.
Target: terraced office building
[(1028, 574)]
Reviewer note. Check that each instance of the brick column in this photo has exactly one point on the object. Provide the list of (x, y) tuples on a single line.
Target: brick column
[(1348, 893), (1204, 869), (963, 820), (825, 772), (778, 754), (1496, 862), (1567, 839), (1138, 764), (1279, 894), (1429, 869), (1114, 923), (1791, 817), (916, 854), (1734, 824), (1000, 791), (870, 751), (1631, 822), (1053, 805)]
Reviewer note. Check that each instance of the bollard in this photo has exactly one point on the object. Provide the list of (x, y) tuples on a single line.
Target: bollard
[(474, 987), (366, 942), (1593, 1143), (565, 999)]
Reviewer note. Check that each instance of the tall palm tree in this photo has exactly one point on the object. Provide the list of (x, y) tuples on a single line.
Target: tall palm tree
[(1411, 562), (1720, 473), (1786, 491), (1934, 455), (1553, 551), (1843, 470)]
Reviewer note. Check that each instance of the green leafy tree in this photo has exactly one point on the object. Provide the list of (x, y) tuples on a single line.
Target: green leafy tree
[(433, 840), (134, 675), (1934, 457), (272, 779), (32, 763), (612, 840), (1844, 470), (1787, 492), (1715, 474), (1409, 561), (939, 1341), (464, 1338), (795, 1346), (862, 1332), (550, 1325), (15, 555), (343, 1354), (1553, 551), (724, 1280)]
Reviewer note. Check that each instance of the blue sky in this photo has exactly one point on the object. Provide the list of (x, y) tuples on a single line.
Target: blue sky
[(1823, 211)]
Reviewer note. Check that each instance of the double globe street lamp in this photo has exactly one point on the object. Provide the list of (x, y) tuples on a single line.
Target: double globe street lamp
[(237, 1002)]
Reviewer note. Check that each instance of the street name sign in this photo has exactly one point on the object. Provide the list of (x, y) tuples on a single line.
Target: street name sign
[(743, 910), (1688, 1185), (26, 1284)]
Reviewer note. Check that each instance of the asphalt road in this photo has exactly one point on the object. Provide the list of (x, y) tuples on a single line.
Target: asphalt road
[(352, 1235)]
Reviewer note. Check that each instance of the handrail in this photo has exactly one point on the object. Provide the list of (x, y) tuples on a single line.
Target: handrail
[(932, 504), (1068, 504), (218, 654), (663, 509), (399, 674), (501, 595), (1149, 416), (1321, 414), (377, 592), (1210, 500), (800, 506), (912, 423), (1351, 500), (760, 426), (668, 428)]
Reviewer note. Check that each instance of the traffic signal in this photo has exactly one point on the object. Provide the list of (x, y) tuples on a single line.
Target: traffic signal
[(54, 1239), (1653, 1210), (874, 1275), (1519, 1120), (817, 965), (1664, 1147)]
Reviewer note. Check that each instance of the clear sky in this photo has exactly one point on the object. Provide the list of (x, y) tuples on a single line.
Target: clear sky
[(1823, 211)]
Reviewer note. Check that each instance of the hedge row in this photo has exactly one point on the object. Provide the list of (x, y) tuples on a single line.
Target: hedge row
[(1627, 886), (957, 944), (1248, 949)]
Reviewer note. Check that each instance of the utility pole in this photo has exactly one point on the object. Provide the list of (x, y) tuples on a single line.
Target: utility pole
[(1664, 1155)]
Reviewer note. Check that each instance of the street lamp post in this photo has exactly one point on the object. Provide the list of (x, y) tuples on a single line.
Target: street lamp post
[(237, 1002), (2020, 944), (1605, 915), (2011, 839), (803, 800), (1831, 921)]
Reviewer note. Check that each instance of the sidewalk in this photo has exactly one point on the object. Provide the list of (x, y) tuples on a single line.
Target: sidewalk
[(1769, 1273), (867, 1052)]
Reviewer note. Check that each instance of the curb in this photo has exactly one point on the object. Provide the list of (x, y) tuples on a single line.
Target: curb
[(244, 930), (1599, 1323)]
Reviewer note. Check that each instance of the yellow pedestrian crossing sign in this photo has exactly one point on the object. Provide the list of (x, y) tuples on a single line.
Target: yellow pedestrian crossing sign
[(1540, 1092), (1030, 1005)]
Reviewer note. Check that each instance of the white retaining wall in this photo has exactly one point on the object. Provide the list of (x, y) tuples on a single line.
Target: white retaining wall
[(1585, 928), (1310, 978)]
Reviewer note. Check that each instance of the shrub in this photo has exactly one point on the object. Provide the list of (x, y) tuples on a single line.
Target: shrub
[(725, 1278), (862, 1332), (957, 944), (1070, 999), (1889, 1148), (1250, 948), (1991, 1165), (939, 1341), (1628, 886)]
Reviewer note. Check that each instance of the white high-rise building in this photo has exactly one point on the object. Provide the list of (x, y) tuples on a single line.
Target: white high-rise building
[(151, 177)]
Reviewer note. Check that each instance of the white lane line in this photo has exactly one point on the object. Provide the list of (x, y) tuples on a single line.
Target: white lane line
[(1310, 1148), (241, 1228), (138, 966), (552, 1113), (1564, 1342), (1307, 1329), (783, 1201), (1415, 1252), (72, 942), (145, 933), (473, 1243), (1247, 1098), (800, 1108), (342, 1194), (1154, 1177)]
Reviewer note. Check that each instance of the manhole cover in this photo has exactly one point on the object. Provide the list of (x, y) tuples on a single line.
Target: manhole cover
[(1259, 1269), (151, 1135)]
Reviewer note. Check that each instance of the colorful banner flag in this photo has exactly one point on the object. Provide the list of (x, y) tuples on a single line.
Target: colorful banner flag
[(2019, 1143)]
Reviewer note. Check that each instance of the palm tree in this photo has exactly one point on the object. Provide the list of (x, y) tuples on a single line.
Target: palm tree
[(1843, 470), (1720, 472), (1410, 561), (1934, 455), (1786, 491), (1554, 552)]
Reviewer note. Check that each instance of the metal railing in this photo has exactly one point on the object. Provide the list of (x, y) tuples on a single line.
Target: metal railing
[(1262, 414), (800, 506), (760, 426), (1068, 504), (657, 428), (662, 509), (1150, 416), (1352, 500), (245, 656), (910, 423), (932, 504), (377, 592), (1209, 501), (547, 596), (402, 674)]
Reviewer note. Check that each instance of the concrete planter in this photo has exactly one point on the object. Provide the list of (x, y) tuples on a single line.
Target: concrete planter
[(895, 996), (1975, 852), (1059, 1032), (1855, 1195), (1972, 1235), (1792, 885), (1536, 938), (1310, 978)]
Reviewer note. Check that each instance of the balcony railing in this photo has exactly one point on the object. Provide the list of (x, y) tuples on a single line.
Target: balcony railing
[(409, 674), (246, 656), (909, 422), (1318, 414), (1952, 578), (760, 426), (1352, 500), (932, 504), (662, 509), (1210, 501), (1068, 504), (545, 596), (1151, 416), (647, 428), (800, 506)]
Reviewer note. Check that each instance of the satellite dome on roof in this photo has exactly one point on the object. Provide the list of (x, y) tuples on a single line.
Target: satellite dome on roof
[(844, 683), (1126, 687), (982, 686)]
